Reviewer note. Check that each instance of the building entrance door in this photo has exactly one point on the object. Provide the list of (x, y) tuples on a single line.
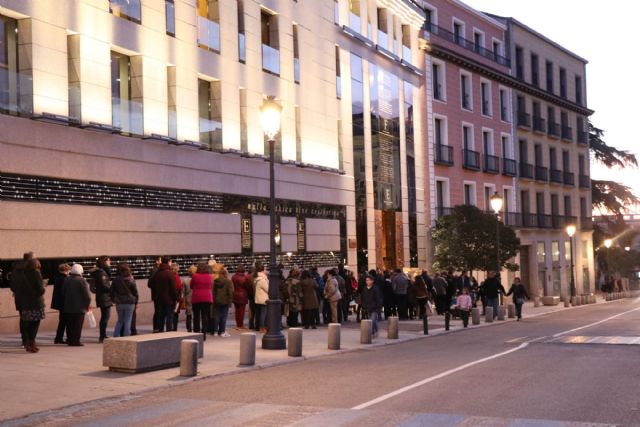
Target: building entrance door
[(389, 239)]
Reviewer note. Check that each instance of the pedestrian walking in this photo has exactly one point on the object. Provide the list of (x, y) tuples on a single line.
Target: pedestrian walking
[(241, 292), (421, 292), (294, 292), (124, 294), (322, 305), (492, 289), (201, 297), (440, 289), (164, 286), (519, 295), (223, 298), (28, 290), (101, 280), (464, 304), (261, 292), (332, 294), (310, 304), (77, 301), (372, 303), (57, 301)]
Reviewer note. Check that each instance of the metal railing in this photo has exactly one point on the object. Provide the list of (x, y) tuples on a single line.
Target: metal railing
[(553, 129), (567, 133), (15, 92), (491, 164), (568, 178), (467, 44), (470, 159), (586, 223), (208, 34), (526, 219), (127, 115), (584, 181), (526, 170), (555, 176), (542, 174), (583, 137), (539, 124), (524, 119), (270, 59), (444, 155), (509, 167)]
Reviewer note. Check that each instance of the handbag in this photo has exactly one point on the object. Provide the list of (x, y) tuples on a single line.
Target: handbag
[(91, 318)]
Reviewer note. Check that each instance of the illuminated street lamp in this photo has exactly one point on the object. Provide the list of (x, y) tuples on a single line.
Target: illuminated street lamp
[(607, 244), (571, 231), (496, 204), (270, 112)]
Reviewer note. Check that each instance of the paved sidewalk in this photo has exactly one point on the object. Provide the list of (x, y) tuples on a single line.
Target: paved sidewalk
[(60, 376)]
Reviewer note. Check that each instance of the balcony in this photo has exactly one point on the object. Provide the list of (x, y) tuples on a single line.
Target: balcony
[(586, 223), (16, 92), (210, 133), (491, 164), (509, 167), (526, 170), (127, 116), (568, 178), (524, 120), (561, 221), (567, 133), (553, 130), (466, 44), (208, 34), (443, 155), (583, 137), (542, 174), (539, 124), (270, 59), (383, 39), (584, 181), (242, 49), (555, 176), (471, 160)]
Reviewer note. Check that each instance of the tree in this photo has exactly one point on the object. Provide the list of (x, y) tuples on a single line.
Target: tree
[(465, 240)]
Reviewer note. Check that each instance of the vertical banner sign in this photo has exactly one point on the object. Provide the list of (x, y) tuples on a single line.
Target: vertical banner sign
[(246, 235), (301, 233)]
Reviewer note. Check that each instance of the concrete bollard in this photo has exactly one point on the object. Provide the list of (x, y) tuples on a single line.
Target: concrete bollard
[(567, 303), (189, 358), (537, 302), (501, 312), (392, 328), (574, 301), (583, 300), (247, 349), (294, 347), (334, 336), (475, 316), (488, 314), (511, 311), (366, 331)]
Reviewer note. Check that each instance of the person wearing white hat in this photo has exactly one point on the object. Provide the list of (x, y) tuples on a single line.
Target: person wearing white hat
[(77, 299)]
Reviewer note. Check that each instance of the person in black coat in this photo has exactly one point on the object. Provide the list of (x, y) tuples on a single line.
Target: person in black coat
[(163, 286), (77, 300), (57, 300), (492, 289), (101, 276), (519, 295), (371, 303)]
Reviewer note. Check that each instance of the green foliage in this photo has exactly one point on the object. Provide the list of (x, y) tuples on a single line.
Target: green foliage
[(612, 196), (466, 241), (607, 155), (620, 261)]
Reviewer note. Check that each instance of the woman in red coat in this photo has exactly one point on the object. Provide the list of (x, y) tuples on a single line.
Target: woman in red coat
[(201, 297), (241, 291)]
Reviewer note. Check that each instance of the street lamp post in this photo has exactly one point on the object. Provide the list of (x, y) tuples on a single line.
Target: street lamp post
[(571, 231), (496, 204), (273, 339), (607, 244)]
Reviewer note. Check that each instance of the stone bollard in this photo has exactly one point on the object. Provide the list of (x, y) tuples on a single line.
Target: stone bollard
[(294, 347), (536, 302), (574, 301), (475, 316), (392, 328), (247, 349), (501, 312), (511, 311), (567, 303), (334, 336), (488, 314), (366, 331), (189, 358), (583, 300)]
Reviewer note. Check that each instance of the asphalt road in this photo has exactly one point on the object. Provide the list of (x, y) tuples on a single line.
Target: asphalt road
[(461, 378)]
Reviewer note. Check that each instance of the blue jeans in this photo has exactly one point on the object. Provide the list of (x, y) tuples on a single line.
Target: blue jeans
[(221, 318), (260, 316), (374, 322), (493, 302), (166, 317), (125, 315)]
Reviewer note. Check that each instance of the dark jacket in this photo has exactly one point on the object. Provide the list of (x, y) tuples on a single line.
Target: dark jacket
[(76, 295), (241, 288), (27, 287), (124, 290), (309, 294), (57, 300), (492, 287), (463, 282), (371, 300), (420, 286), (102, 286), (222, 291), (400, 283), (163, 286), (519, 292)]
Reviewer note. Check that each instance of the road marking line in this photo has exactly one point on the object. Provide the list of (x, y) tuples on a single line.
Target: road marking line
[(436, 377), (559, 334)]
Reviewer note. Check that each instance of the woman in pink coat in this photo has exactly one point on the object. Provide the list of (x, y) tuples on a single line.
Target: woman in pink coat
[(201, 297)]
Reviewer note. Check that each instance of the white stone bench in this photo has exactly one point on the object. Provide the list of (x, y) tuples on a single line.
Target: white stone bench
[(143, 353), (550, 300)]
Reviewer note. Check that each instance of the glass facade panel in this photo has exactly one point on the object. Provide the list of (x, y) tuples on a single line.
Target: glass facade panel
[(357, 118), (127, 9), (411, 173)]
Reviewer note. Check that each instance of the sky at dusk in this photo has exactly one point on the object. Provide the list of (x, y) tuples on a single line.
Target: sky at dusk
[(606, 35)]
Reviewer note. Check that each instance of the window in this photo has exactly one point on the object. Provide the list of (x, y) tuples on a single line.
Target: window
[(568, 209), (555, 208), (336, 12), (524, 202), (549, 74), (171, 103), (340, 147), (270, 43), (242, 46), (458, 32), (487, 142), (127, 9), (563, 82), (519, 63), (555, 251), (441, 187), (338, 74), (541, 252), (497, 50), (428, 19), (465, 91), (296, 56), (583, 207), (507, 200), (489, 190), (581, 165), (126, 98), (209, 24), (478, 41), (485, 92), (534, 70), (506, 147), (244, 139), (73, 66), (467, 140), (470, 194), (566, 161), (383, 30), (553, 159), (504, 105), (578, 90), (438, 81), (210, 112), (298, 134), (437, 129), (170, 16), (354, 15), (406, 44)]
